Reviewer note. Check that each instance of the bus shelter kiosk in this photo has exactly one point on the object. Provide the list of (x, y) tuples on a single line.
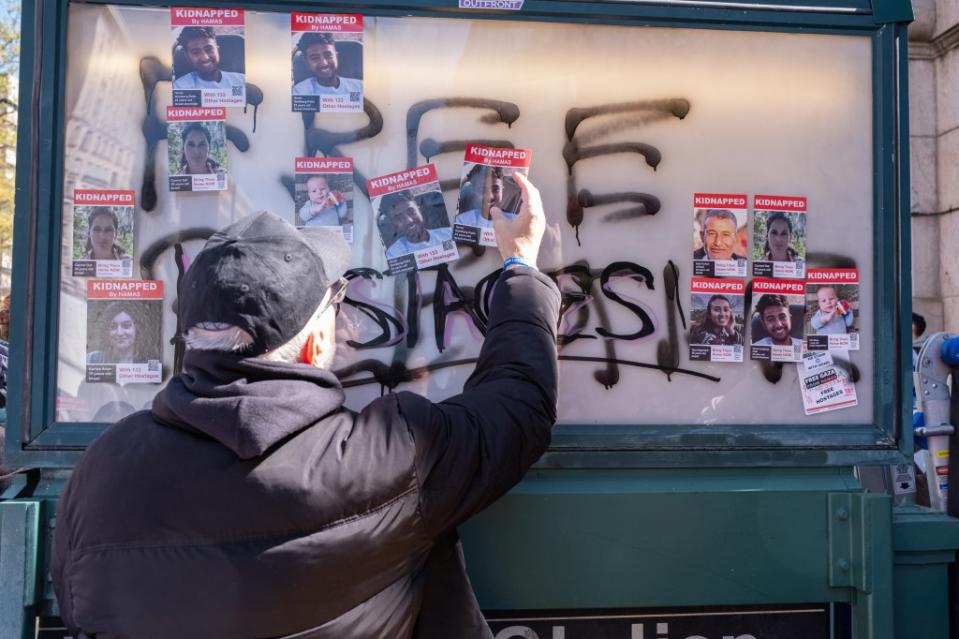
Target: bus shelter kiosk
[(726, 186)]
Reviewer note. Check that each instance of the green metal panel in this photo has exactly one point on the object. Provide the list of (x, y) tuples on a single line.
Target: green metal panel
[(904, 238), (885, 11), (924, 546), (922, 599), (19, 540), (35, 280), (886, 222), (873, 609), (663, 538)]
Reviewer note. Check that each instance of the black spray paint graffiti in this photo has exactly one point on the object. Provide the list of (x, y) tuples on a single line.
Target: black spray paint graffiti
[(667, 350), (148, 261), (502, 112), (630, 115), (575, 282), (390, 376), (579, 148), (430, 148), (448, 297), (646, 204), (152, 72), (328, 142)]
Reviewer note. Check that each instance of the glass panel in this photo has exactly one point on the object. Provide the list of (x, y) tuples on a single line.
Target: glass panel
[(693, 111)]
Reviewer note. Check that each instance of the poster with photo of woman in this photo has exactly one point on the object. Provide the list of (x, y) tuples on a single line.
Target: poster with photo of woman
[(717, 312), (124, 324), (102, 233), (779, 236), (196, 149), (209, 56)]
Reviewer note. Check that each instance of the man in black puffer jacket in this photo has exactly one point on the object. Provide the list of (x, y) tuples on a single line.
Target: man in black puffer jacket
[(249, 503)]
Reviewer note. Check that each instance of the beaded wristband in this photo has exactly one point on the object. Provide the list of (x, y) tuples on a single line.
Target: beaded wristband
[(518, 260)]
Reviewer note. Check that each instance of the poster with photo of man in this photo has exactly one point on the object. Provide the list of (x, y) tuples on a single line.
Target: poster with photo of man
[(832, 309), (776, 325), (720, 235), (779, 236), (124, 324), (209, 57), (327, 62), (102, 233), (487, 184), (412, 219), (196, 148), (323, 194), (717, 312)]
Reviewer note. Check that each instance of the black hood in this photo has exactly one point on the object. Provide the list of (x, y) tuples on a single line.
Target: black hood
[(246, 404)]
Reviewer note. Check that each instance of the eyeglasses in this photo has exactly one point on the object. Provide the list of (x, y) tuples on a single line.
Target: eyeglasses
[(337, 293)]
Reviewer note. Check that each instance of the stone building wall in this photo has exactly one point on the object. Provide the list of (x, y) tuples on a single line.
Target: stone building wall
[(934, 159)]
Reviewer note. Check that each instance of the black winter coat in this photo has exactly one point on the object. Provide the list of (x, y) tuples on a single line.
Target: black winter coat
[(249, 503)]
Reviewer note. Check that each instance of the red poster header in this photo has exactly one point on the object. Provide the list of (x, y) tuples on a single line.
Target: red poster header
[(327, 22), (205, 17), (493, 156), (194, 114), (104, 197), (124, 290), (832, 275), (782, 287), (401, 180), (715, 285), (779, 203), (323, 165), (719, 200)]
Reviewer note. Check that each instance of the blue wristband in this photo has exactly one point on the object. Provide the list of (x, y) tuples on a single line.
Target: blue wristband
[(518, 260)]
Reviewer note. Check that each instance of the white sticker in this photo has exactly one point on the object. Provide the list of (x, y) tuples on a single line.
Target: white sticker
[(904, 479), (504, 5), (824, 385)]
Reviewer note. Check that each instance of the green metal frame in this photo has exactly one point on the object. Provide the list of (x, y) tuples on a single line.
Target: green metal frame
[(671, 538), (35, 440)]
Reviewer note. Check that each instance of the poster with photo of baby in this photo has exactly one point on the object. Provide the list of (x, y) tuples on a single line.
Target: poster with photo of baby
[(779, 236), (720, 234), (832, 309), (327, 62), (124, 324), (209, 56), (717, 313), (102, 233), (412, 219), (487, 182), (776, 321), (196, 148), (323, 194)]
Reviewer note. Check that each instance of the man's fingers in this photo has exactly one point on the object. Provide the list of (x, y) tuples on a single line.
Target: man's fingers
[(522, 181), (496, 213), (528, 191)]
